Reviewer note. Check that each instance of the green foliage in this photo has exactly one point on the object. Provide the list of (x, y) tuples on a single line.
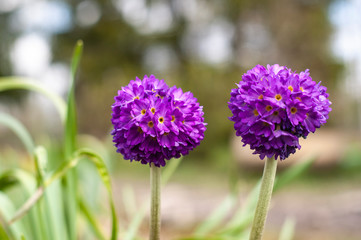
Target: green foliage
[(48, 209), (13, 83), (70, 180), (287, 230), (218, 215), (19, 130), (42, 215)]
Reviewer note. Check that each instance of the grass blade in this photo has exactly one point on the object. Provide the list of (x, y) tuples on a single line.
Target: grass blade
[(70, 187), (50, 206), (288, 229), (217, 216), (33, 220), (12, 83), (7, 209), (61, 171), (3, 234), (135, 223), (293, 172), (129, 202), (41, 162), (71, 120), (91, 219), (19, 129), (172, 165), (105, 177), (243, 217)]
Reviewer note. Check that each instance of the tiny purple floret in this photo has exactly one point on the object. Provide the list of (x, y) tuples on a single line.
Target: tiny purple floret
[(153, 123), (273, 107)]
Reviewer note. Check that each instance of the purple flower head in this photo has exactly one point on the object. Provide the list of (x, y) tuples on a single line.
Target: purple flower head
[(273, 107), (153, 122)]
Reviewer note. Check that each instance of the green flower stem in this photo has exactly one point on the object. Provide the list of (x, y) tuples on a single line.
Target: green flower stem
[(264, 200), (155, 173)]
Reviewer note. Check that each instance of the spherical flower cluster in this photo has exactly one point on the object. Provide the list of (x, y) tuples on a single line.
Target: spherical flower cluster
[(273, 107), (153, 122)]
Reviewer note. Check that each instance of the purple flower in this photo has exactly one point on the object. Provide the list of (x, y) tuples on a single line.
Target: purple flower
[(153, 122), (273, 107)]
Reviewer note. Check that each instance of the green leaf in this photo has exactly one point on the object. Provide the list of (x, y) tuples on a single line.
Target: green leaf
[(129, 202), (7, 209), (70, 181), (135, 223), (54, 203), (288, 229), (61, 171), (244, 215), (27, 185), (91, 219), (7, 181), (11, 178), (71, 121), (105, 177), (52, 211), (19, 129), (41, 162), (12, 83), (217, 216), (3, 233), (169, 170), (293, 172)]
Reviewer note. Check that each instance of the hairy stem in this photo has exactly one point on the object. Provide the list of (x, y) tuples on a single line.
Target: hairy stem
[(155, 175), (264, 200)]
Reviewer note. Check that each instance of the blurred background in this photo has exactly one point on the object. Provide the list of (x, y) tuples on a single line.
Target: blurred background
[(203, 47)]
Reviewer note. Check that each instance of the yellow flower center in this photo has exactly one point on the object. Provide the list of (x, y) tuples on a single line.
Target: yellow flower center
[(278, 97), (269, 108), (152, 110), (136, 98), (143, 111), (255, 112), (173, 119), (298, 98), (301, 88), (150, 124), (293, 110), (290, 88), (260, 97), (166, 134), (161, 120), (140, 130), (275, 113)]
